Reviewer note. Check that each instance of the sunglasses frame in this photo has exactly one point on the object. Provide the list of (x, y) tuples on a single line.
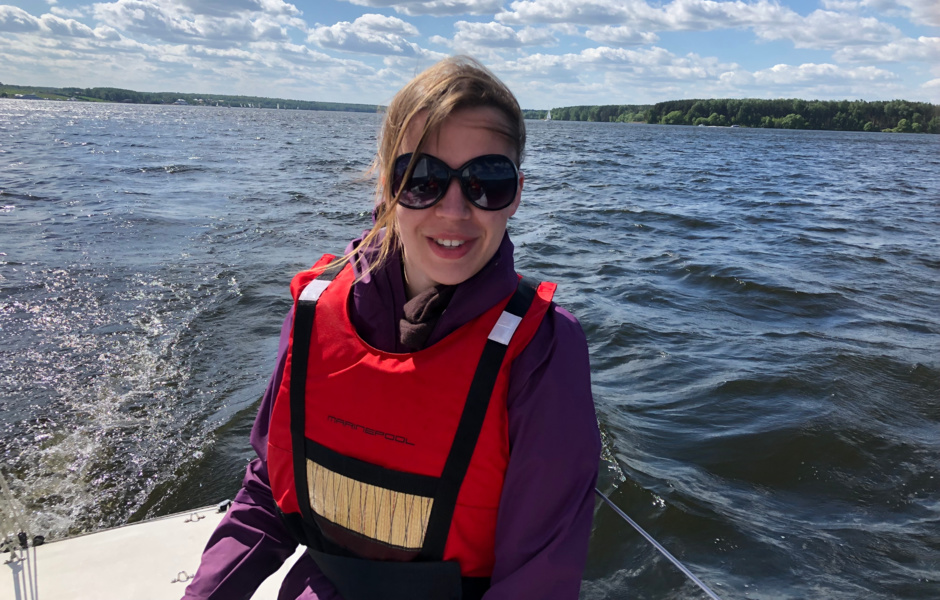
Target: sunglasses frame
[(451, 174)]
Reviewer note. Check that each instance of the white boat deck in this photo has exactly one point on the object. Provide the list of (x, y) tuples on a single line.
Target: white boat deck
[(150, 560)]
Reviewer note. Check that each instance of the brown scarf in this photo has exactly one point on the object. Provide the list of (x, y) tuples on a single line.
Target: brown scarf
[(421, 315)]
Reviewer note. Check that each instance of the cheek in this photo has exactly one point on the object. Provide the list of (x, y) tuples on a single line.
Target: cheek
[(406, 222), (496, 225)]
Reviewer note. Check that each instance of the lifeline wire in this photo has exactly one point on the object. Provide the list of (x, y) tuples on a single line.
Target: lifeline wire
[(658, 546), (11, 513)]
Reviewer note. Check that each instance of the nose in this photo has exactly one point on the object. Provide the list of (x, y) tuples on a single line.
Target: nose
[(454, 205)]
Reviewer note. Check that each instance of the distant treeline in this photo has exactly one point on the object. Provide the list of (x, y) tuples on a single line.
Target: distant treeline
[(103, 94), (842, 115), (613, 113), (132, 97), (533, 114)]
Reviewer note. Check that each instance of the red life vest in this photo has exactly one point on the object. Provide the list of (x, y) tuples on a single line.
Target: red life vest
[(395, 457)]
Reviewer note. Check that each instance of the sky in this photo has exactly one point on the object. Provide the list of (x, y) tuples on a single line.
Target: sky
[(550, 52)]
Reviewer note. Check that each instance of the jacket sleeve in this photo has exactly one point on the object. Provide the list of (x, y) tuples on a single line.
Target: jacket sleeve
[(547, 502), (250, 543)]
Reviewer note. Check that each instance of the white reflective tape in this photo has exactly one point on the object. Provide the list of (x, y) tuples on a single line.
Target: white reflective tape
[(313, 290), (504, 328)]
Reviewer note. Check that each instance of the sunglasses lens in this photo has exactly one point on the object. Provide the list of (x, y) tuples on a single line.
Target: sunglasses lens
[(490, 182), (425, 184)]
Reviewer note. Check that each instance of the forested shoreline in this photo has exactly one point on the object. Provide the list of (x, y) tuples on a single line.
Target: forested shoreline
[(107, 94), (899, 116)]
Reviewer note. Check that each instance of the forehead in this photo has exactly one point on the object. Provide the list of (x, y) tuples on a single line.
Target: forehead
[(467, 131)]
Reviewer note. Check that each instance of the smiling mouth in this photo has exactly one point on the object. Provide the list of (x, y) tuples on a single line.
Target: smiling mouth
[(449, 243)]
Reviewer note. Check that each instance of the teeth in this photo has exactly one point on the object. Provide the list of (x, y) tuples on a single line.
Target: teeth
[(449, 243)]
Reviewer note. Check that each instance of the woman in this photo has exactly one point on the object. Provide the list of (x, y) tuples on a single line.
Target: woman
[(429, 430)]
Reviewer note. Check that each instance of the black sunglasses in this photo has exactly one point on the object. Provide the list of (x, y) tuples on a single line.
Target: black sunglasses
[(489, 182)]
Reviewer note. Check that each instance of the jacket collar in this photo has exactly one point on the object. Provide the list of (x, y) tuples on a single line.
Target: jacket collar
[(384, 289)]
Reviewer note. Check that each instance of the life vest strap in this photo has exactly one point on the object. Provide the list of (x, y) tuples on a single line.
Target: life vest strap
[(313, 290), (362, 579), (469, 427), (304, 313), (369, 473), (505, 327)]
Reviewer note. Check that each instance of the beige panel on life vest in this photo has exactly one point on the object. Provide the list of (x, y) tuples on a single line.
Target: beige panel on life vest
[(391, 517)]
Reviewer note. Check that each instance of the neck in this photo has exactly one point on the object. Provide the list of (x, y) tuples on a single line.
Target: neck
[(414, 284)]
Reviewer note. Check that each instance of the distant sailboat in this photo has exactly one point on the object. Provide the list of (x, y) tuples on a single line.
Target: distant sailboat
[(548, 115)]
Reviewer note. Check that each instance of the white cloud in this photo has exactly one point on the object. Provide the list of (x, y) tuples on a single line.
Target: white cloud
[(245, 46), (215, 8), (551, 68), (646, 75), (611, 76), (919, 12), (66, 27), (820, 73), (107, 34), (278, 7), (655, 63), (533, 36), (926, 49), (438, 8), (386, 25), (175, 23), (369, 34), (163, 45), (769, 20), (704, 15), (587, 12), (736, 79), (17, 20), (810, 80), (148, 18), (841, 5), (471, 35), (678, 15), (66, 12), (925, 12), (565, 29), (299, 71), (481, 38), (827, 30), (226, 8), (621, 36)]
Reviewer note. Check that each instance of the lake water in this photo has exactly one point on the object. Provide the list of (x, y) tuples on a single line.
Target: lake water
[(762, 308)]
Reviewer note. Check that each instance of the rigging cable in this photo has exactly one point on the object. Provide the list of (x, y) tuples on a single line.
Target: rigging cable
[(11, 520), (659, 547)]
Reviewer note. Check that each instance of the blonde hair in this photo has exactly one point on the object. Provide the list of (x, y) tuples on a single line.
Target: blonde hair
[(450, 85)]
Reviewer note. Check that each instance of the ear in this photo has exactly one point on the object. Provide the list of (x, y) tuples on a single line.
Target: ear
[(515, 203)]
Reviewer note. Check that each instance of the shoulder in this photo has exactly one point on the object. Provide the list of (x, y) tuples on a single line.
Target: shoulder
[(560, 332), (564, 325), (557, 355), (550, 404)]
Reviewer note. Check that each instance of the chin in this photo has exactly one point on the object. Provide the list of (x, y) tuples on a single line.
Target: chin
[(455, 276)]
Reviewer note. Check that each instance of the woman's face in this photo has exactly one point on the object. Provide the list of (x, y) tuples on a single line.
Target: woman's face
[(451, 241)]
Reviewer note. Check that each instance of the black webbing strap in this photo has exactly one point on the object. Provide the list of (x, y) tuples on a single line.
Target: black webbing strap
[(363, 579), (468, 431), (304, 313)]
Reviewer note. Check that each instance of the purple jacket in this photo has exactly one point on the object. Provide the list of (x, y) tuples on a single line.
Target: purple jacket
[(547, 501)]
